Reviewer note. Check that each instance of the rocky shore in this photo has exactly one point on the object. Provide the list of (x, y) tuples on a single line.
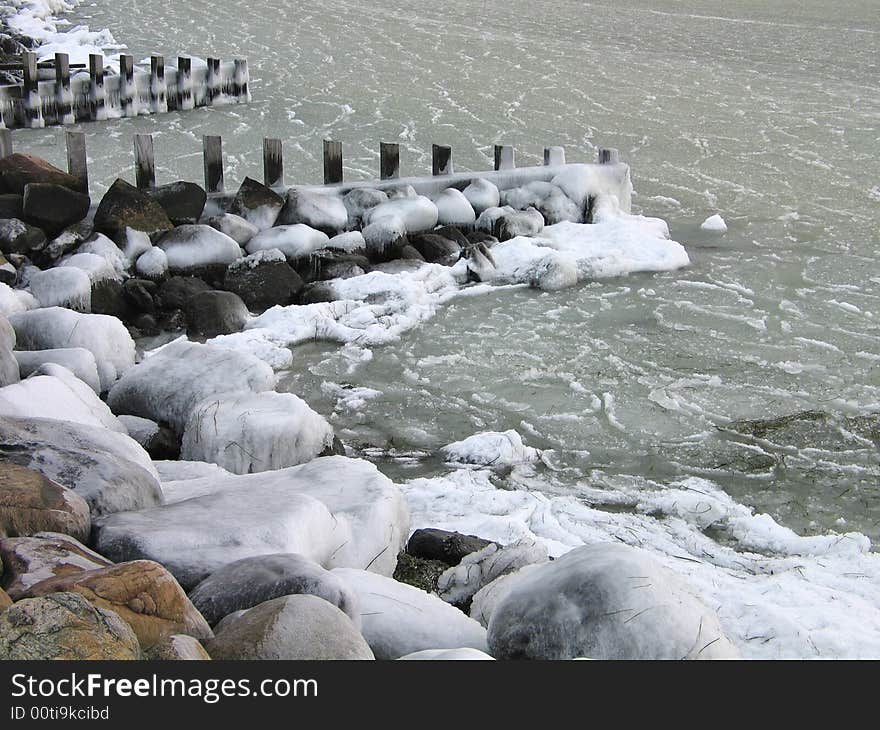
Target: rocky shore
[(170, 504)]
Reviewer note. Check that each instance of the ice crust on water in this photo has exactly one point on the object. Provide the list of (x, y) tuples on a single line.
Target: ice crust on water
[(491, 448), (77, 360), (294, 241), (714, 224), (797, 597)]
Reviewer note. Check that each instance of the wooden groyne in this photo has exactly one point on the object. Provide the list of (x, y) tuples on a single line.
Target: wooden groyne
[(55, 93)]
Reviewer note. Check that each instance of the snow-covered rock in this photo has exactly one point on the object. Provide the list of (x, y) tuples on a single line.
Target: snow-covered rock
[(172, 471), (482, 194), (546, 198), (581, 182), (454, 209), (388, 221), (714, 224), (95, 267), (15, 301), (445, 655), (490, 448), (56, 328), (237, 228), (168, 384), (134, 244), (350, 241), (485, 600), (77, 360), (324, 211), (398, 619), (152, 264), (253, 432), (102, 247), (359, 200), (190, 247), (63, 286), (294, 241), (506, 222), (605, 601)]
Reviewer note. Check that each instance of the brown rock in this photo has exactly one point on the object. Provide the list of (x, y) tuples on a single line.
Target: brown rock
[(30, 503), (123, 205), (5, 600), (31, 560), (18, 170), (179, 647), (64, 626), (142, 592)]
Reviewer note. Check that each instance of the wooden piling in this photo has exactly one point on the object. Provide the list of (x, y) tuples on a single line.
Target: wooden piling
[(144, 161), (158, 89), (77, 162), (389, 160), (63, 96), (97, 93), (241, 81), (441, 160), (30, 92), (127, 89), (504, 157), (212, 152), (332, 162), (184, 84), (609, 156), (554, 155), (273, 163), (5, 143), (213, 81)]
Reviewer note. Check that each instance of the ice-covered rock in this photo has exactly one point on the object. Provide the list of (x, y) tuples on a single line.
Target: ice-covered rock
[(350, 241), (56, 328), (546, 198), (486, 599), (152, 264), (263, 279), (140, 429), (399, 619), (445, 655), (714, 224), (191, 247), (167, 385), (582, 182), (482, 195), (63, 287), (101, 246), (388, 221), (359, 200), (237, 228), (605, 601), (253, 432), (77, 360), (15, 301), (294, 241), (324, 211), (505, 222), (95, 267), (134, 244), (180, 470), (454, 209), (491, 448), (212, 313), (257, 204)]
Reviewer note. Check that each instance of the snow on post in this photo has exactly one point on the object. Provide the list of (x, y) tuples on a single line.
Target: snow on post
[(97, 92), (241, 81), (504, 157), (144, 162), (30, 93), (332, 162), (213, 80), (609, 156), (273, 163), (554, 156), (127, 89), (184, 84), (441, 159), (212, 152), (389, 160), (76, 158), (158, 89), (63, 96)]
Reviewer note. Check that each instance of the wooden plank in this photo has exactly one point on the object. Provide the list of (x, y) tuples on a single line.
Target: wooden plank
[(5, 143), (441, 159), (63, 95), (212, 152), (332, 162), (273, 163), (554, 155), (184, 83), (97, 93), (158, 90), (77, 162), (213, 83), (144, 161), (609, 156), (389, 160), (127, 89), (33, 107), (241, 81), (504, 157)]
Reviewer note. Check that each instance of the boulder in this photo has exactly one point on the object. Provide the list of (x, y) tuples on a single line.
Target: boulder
[(490, 448), (124, 206), (158, 441), (53, 207), (453, 233), (319, 291), (152, 264), (144, 595), (435, 249), (398, 619), (454, 209), (257, 204), (31, 503), (168, 385), (482, 195), (178, 647), (447, 547), (139, 294), (183, 202), (294, 241), (108, 297), (302, 627), (5, 600), (419, 572), (19, 170), (359, 200), (252, 581), (446, 655), (191, 248), (324, 211), (64, 626), (263, 280), (506, 223), (9, 370), (43, 556), (213, 313), (11, 205), (107, 469), (173, 292), (326, 265), (79, 361), (605, 601), (234, 226), (64, 286), (486, 239), (68, 240), (18, 237)]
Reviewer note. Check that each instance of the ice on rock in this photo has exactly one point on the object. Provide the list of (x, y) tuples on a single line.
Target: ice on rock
[(101, 246), (193, 246), (135, 244), (104, 336), (140, 429), (324, 211), (507, 222), (398, 619), (173, 471), (336, 511), (167, 385), (294, 241), (491, 448), (605, 601), (63, 286), (388, 221), (454, 209), (15, 301), (582, 182), (253, 432), (237, 228), (96, 267), (490, 595), (524, 260), (54, 392), (350, 241), (152, 264), (482, 195), (359, 200), (77, 360), (548, 199), (714, 224), (445, 655)]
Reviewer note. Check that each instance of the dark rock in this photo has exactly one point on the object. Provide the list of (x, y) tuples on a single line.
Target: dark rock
[(10, 205), (321, 211), (320, 291), (8, 274), (108, 297), (67, 240), (447, 547), (359, 200), (328, 264), (173, 321), (410, 253), (337, 448), (53, 207), (164, 445), (263, 282), (436, 249), (174, 292), (213, 313), (256, 203), (18, 170), (17, 237), (422, 573), (453, 234), (124, 206), (183, 202), (482, 237), (146, 326), (139, 294)]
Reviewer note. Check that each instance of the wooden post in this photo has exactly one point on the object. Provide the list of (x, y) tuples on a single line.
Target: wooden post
[(97, 93), (5, 143), (63, 97), (389, 161), (213, 82), (241, 81), (441, 159), (609, 156), (184, 83), (212, 151), (332, 162), (504, 157), (158, 90), (554, 155), (30, 92), (127, 89), (273, 163), (77, 164), (144, 162)]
